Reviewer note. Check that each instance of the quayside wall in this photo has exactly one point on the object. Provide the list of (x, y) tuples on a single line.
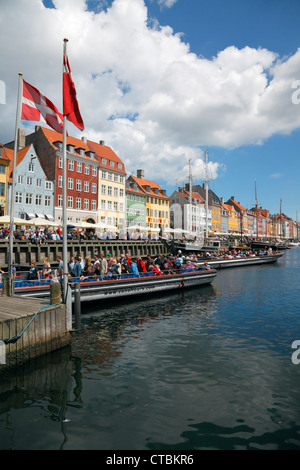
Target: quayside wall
[(24, 252)]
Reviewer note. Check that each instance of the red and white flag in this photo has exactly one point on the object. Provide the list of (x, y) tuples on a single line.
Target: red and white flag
[(70, 104), (36, 107)]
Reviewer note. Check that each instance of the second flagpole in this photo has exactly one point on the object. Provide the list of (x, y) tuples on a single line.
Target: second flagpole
[(66, 294)]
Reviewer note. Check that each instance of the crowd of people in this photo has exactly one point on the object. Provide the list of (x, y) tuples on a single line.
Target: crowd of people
[(111, 267)]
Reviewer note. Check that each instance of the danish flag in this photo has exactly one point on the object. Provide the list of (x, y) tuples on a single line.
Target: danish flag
[(70, 104), (36, 107)]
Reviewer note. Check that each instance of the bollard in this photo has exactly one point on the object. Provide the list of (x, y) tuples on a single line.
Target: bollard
[(6, 289), (55, 293), (77, 305)]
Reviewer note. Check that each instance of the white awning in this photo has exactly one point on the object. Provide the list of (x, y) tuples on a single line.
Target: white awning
[(49, 217)]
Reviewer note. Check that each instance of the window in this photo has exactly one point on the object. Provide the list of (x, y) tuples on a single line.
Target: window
[(28, 198), (86, 186), (103, 189), (94, 204), (103, 174), (70, 183), (103, 161), (109, 205), (78, 185), (109, 190), (111, 163), (31, 167), (94, 171), (121, 192), (60, 162), (87, 169), (2, 169), (94, 188), (20, 179), (47, 201), (60, 181), (78, 203), (116, 178), (86, 204), (120, 166), (115, 206), (122, 179), (115, 191), (29, 180), (103, 204), (109, 176), (2, 189), (71, 165), (70, 202), (39, 182), (38, 199), (79, 167), (60, 200), (48, 185), (121, 206)]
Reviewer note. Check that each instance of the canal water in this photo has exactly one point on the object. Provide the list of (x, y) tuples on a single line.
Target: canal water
[(211, 369)]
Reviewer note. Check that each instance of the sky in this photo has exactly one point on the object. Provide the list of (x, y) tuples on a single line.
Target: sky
[(164, 81)]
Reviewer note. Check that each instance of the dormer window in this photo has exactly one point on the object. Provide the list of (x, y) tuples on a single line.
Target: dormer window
[(70, 148)]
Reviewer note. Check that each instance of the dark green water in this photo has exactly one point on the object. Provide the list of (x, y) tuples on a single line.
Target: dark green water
[(208, 370)]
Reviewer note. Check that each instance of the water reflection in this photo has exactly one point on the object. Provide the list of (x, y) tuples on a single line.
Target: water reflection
[(210, 369)]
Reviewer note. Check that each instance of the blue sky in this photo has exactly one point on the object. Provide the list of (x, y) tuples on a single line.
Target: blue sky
[(210, 27), (161, 81)]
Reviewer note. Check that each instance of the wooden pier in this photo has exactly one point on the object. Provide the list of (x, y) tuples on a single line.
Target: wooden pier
[(30, 328)]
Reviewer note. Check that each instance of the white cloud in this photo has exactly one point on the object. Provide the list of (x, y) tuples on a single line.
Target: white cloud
[(140, 88)]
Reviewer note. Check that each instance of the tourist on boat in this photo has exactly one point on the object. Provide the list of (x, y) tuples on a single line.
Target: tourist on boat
[(72, 266), (60, 265), (128, 259), (141, 265), (46, 270), (134, 267), (103, 265), (87, 270), (155, 270), (206, 266), (33, 272), (124, 264), (149, 262), (189, 266), (178, 262), (77, 268)]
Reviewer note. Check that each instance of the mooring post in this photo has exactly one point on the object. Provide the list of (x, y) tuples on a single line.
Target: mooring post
[(77, 305), (55, 293)]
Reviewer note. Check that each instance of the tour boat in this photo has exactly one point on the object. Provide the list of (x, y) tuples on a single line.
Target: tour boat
[(128, 286)]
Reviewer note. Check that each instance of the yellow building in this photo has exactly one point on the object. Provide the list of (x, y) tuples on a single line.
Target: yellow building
[(4, 165), (157, 202), (233, 219)]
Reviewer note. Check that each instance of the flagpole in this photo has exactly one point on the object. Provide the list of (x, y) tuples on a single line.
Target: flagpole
[(13, 185), (64, 207)]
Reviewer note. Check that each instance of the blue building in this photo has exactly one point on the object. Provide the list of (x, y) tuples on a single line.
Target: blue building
[(34, 193)]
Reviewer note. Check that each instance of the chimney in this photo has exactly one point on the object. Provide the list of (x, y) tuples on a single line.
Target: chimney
[(232, 197), (222, 200), (84, 139), (101, 142), (21, 139), (140, 174)]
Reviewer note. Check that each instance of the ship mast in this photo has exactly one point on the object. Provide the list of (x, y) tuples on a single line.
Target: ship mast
[(206, 193)]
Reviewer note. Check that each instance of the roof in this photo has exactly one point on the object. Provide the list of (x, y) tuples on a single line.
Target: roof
[(10, 156), (101, 151), (153, 185)]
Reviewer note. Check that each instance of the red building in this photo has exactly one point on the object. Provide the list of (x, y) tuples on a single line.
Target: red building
[(82, 173)]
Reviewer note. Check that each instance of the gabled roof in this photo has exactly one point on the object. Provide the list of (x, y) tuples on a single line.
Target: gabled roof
[(20, 157), (102, 151), (144, 183)]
